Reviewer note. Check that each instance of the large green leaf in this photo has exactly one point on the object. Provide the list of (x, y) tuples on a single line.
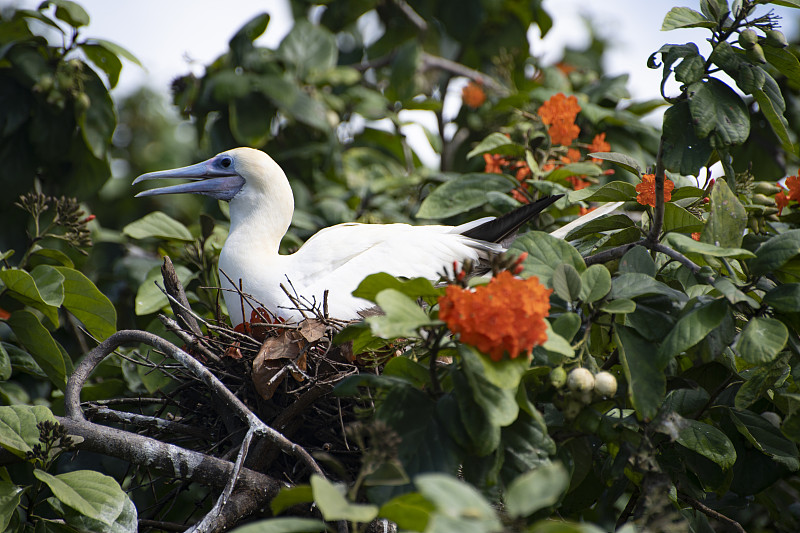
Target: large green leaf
[(149, 297), (679, 219), (296, 103), (18, 431), (537, 489), (566, 282), (623, 160), (706, 440), (784, 297), (727, 220), (70, 12), (126, 522), (309, 48), (602, 224), (634, 284), (683, 17), (464, 192), (615, 191), (334, 506), (87, 491), (776, 252), (499, 403), (40, 344), (458, 505), (716, 108), (497, 143), (762, 339), (5, 364), (595, 283), (105, 60), (574, 169), (684, 152), (84, 300), (23, 287), (545, 253), (644, 372), (10, 496), (692, 328), (687, 245), (771, 103), (402, 316), (410, 512), (766, 438), (98, 122), (415, 288), (160, 225)]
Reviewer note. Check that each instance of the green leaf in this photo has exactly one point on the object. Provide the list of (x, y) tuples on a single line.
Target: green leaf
[(762, 340), (159, 225), (615, 191), (557, 344), (679, 219), (10, 497), (537, 489), (498, 402), (410, 511), (38, 342), (766, 438), (402, 318), (294, 101), (635, 284), (706, 440), (684, 152), (727, 220), (504, 374), (117, 50), (623, 160), (637, 260), (126, 522), (369, 288), (149, 297), (70, 12), (785, 61), (776, 252), (620, 306), (574, 169), (98, 122), (84, 300), (602, 224), (457, 501), (683, 17), (732, 293), (105, 60), (333, 505), (567, 282), (283, 525), (464, 192), (595, 283), (89, 492), (22, 286), (18, 431), (545, 253), (687, 245), (716, 108), (5, 364), (692, 328), (310, 48), (771, 103), (644, 372), (784, 297), (242, 41), (567, 325), (496, 143)]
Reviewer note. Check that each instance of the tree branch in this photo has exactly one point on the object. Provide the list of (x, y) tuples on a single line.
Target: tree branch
[(731, 523), (658, 213)]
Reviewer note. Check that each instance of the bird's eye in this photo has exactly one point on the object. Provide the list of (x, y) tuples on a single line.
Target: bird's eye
[(225, 162)]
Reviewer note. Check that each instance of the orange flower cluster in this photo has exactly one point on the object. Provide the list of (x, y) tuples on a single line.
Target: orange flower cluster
[(792, 186), (599, 144), (497, 164), (647, 190), (559, 113), (473, 95), (505, 316)]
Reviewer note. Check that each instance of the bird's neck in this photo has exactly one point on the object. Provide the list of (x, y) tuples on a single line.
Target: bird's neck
[(259, 221)]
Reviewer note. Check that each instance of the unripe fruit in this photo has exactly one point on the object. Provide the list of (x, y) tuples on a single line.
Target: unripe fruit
[(580, 380), (558, 377), (776, 39), (772, 418), (756, 54), (572, 409), (760, 199), (605, 384), (748, 39), (82, 103), (766, 187)]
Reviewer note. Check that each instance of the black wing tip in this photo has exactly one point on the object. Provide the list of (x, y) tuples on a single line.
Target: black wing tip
[(500, 228)]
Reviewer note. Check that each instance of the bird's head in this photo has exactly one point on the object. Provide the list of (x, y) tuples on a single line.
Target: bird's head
[(225, 176)]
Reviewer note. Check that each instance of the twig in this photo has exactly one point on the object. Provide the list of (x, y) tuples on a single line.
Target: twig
[(93, 358), (730, 522), (430, 62), (146, 422), (190, 341), (611, 254), (658, 214), (179, 303), (412, 15)]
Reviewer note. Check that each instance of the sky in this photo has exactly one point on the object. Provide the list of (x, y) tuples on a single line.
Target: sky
[(173, 37)]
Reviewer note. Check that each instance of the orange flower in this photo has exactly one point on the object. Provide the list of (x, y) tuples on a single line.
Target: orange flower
[(519, 196), (507, 315), (559, 113), (565, 68), (696, 235), (523, 170), (781, 201), (494, 163), (577, 182), (647, 190), (599, 144), (472, 94), (573, 156), (584, 210), (793, 183)]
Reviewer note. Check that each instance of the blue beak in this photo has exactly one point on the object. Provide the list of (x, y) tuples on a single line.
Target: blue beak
[(206, 178)]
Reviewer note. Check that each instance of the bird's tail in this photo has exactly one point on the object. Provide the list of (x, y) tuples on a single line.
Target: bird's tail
[(499, 229)]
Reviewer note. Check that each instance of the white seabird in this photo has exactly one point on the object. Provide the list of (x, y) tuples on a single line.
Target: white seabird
[(335, 259)]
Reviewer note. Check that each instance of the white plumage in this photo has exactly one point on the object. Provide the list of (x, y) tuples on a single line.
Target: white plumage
[(335, 259)]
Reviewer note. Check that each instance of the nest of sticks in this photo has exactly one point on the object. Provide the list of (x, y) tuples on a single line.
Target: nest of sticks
[(281, 372)]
